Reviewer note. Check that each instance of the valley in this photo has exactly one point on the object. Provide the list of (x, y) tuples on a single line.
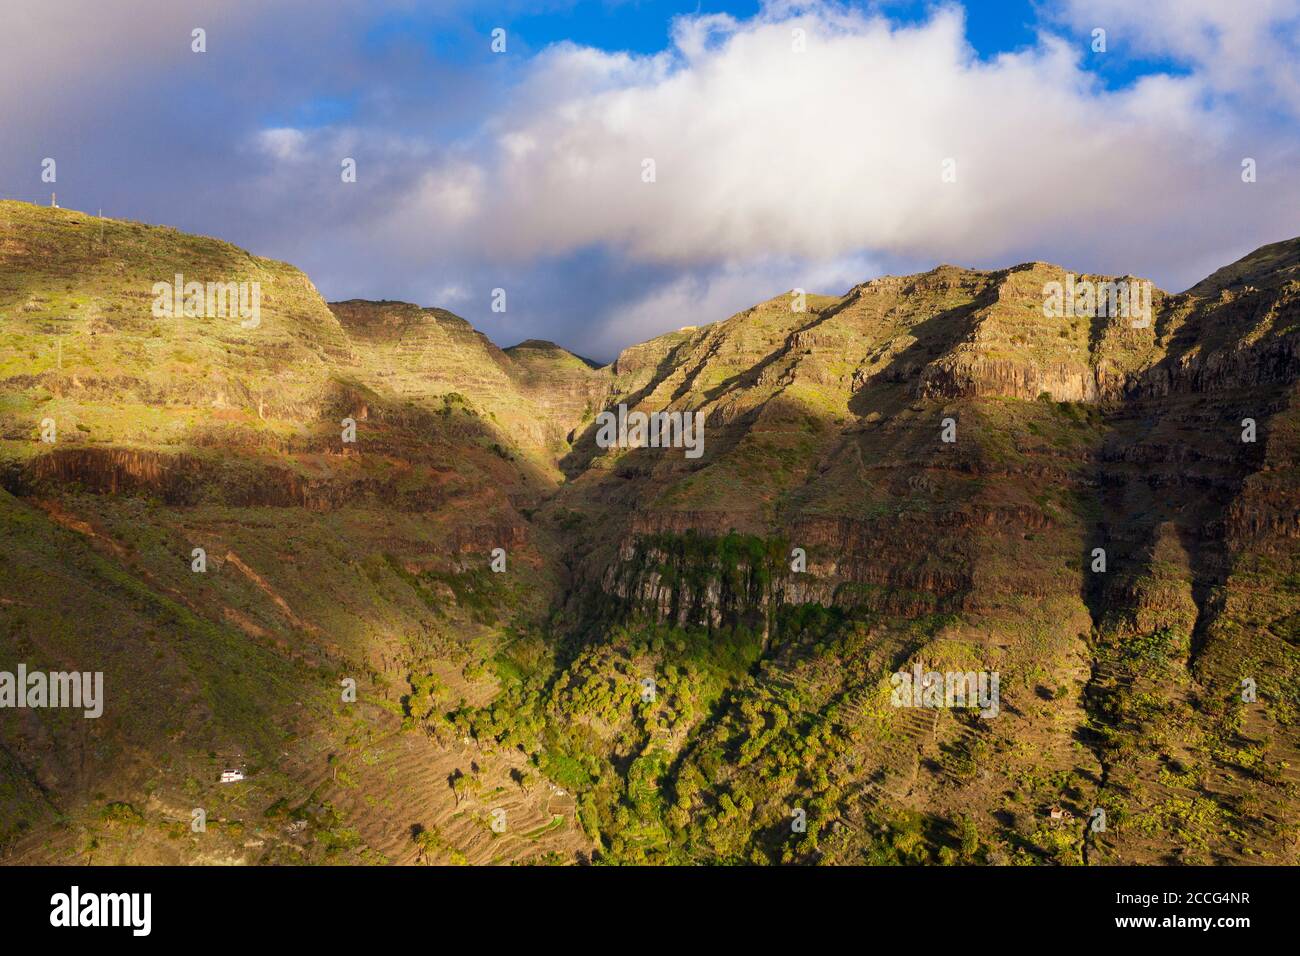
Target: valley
[(688, 659)]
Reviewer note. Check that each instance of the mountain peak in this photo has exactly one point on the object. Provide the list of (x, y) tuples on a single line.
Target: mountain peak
[(1268, 265), (531, 351)]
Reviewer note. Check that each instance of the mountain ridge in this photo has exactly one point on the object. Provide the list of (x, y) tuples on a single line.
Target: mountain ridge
[(823, 432)]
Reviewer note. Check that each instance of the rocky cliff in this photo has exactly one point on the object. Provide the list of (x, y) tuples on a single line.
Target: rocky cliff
[(944, 468)]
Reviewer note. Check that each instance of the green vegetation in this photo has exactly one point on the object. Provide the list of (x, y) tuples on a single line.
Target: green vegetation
[(685, 660)]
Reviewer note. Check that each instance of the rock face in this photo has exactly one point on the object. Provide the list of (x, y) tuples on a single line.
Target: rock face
[(566, 390), (833, 417), (955, 465), (226, 519), (932, 468), (536, 391)]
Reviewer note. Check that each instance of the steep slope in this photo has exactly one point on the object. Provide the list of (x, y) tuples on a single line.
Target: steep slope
[(684, 659), (566, 390), (1120, 688), (185, 513), (534, 396)]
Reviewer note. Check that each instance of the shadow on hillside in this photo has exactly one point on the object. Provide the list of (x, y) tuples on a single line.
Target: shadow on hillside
[(584, 449), (897, 385), (751, 375), (1173, 456)]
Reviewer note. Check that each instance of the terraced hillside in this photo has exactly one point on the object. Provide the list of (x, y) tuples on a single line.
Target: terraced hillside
[(1121, 688), (325, 560), (656, 674)]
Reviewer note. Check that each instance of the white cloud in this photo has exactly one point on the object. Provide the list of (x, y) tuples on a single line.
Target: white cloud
[(451, 295), (761, 151), (284, 143), (46, 48), (1249, 47), (714, 295), (774, 168)]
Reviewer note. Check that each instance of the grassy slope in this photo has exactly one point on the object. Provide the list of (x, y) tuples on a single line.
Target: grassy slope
[(771, 687), (324, 561), (823, 433)]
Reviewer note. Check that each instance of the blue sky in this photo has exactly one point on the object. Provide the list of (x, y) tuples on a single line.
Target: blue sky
[(778, 162), (644, 26)]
